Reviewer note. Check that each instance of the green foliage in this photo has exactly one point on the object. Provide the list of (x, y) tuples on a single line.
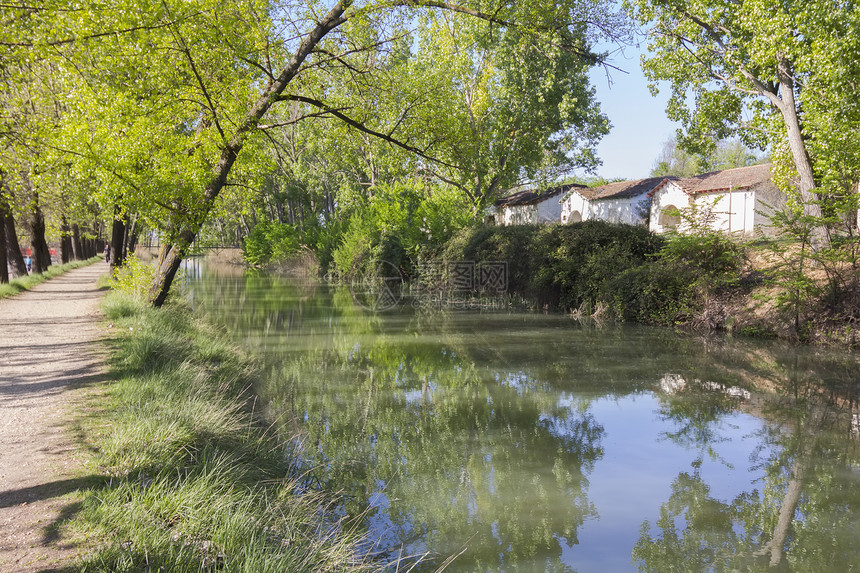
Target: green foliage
[(271, 242), (792, 257), (657, 292), (725, 154), (514, 101), (630, 272), (712, 256), (690, 265), (400, 224), (134, 277), (732, 66)]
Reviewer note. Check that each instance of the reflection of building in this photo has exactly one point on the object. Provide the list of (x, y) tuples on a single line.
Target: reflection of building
[(740, 200), (674, 383)]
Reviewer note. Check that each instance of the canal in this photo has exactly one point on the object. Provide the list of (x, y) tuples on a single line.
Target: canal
[(523, 441)]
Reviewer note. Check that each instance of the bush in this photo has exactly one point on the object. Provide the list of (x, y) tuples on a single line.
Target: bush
[(562, 266), (656, 292), (713, 257), (401, 224), (135, 278)]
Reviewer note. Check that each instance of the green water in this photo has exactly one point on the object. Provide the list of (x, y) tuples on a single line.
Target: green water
[(533, 442)]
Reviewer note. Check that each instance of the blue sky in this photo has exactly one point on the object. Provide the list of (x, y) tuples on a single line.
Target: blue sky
[(640, 126)]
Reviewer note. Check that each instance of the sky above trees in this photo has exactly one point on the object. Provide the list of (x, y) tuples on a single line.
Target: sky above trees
[(639, 123)]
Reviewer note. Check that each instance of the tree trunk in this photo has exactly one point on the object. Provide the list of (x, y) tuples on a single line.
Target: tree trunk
[(41, 253), (800, 157), (13, 248), (132, 236), (117, 239), (77, 247), (787, 511), (66, 253), (127, 228), (169, 258), (4, 259), (14, 257), (173, 254)]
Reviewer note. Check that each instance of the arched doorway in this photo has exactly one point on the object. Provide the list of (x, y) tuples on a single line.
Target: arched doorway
[(670, 217)]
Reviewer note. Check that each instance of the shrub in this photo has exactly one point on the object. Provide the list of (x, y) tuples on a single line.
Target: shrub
[(135, 277), (656, 292), (270, 242), (562, 266), (401, 224), (713, 257)]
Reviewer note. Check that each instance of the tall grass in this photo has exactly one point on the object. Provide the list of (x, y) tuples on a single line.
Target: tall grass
[(195, 480), (21, 284)]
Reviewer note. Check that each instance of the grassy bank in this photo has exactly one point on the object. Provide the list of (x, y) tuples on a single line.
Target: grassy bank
[(194, 480), (20, 284)]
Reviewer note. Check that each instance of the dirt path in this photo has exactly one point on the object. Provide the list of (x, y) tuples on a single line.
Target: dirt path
[(48, 358)]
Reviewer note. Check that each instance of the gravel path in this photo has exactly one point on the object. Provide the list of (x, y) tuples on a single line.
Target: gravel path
[(49, 357)]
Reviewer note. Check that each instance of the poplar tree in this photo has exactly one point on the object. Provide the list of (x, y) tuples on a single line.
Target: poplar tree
[(779, 74)]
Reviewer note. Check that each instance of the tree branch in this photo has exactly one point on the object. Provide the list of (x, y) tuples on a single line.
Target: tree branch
[(184, 48), (364, 129), (93, 36)]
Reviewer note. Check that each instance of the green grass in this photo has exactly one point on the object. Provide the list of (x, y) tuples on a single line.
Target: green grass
[(21, 284), (194, 479)]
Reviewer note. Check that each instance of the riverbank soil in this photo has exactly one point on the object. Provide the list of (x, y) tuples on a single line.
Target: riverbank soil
[(49, 360)]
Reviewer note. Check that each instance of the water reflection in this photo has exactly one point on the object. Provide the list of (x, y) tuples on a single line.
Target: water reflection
[(542, 444)]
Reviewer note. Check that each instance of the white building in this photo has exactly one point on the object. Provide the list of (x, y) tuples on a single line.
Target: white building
[(528, 207), (739, 200), (620, 202), (576, 204)]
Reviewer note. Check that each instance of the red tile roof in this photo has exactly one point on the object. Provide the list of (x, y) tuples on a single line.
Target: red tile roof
[(738, 178), (624, 189)]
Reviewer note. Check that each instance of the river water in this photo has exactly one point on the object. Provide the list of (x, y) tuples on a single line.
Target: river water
[(522, 441)]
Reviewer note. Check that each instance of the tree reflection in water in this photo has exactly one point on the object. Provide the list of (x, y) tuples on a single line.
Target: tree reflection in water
[(802, 516), (450, 429)]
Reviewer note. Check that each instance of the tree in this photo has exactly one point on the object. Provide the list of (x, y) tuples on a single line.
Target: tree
[(13, 251), (727, 154), (165, 100), (775, 73), (516, 104)]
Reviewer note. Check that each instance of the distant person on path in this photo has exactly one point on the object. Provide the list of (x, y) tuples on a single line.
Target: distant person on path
[(107, 253), (29, 263)]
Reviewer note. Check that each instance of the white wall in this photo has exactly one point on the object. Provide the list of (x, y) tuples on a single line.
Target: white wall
[(737, 212), (547, 211), (733, 212), (669, 194), (575, 203), (768, 199), (627, 210)]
